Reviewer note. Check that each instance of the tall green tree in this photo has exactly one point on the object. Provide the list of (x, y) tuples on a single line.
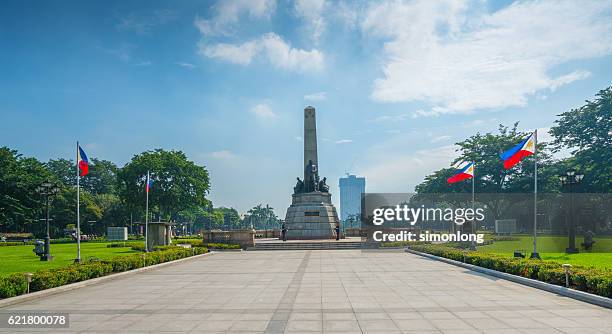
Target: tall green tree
[(178, 183), (101, 179), (261, 217), (587, 131), (20, 203), (231, 218)]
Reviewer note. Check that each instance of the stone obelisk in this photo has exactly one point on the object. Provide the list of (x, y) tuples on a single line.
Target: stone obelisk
[(311, 214), (310, 138)]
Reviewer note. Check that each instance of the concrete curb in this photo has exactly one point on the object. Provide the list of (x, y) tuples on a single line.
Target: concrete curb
[(89, 282), (571, 293)]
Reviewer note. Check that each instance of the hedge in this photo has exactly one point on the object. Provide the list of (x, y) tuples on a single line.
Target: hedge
[(139, 246), (591, 280), (52, 241), (200, 243), (15, 284)]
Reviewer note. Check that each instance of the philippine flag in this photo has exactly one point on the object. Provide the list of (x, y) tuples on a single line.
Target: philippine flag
[(514, 155), (464, 173), (149, 182), (82, 161)]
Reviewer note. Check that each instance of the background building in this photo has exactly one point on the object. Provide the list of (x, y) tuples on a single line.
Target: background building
[(351, 188)]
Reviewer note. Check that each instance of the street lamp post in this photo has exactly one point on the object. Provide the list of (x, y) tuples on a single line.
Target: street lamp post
[(48, 190), (570, 180)]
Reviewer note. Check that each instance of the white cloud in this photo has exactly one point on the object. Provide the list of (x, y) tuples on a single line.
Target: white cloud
[(319, 96), (311, 11), (185, 65), (343, 141), (439, 139), (272, 47), (238, 54), (223, 155), (227, 15), (435, 52), (263, 111), (392, 118)]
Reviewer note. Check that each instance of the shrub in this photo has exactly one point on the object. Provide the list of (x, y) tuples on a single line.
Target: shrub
[(597, 281), (200, 243), (13, 285)]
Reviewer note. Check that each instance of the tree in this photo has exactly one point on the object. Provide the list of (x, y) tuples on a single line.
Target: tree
[(231, 218), (587, 130), (178, 184), (101, 179), (261, 217), (63, 212), (20, 204)]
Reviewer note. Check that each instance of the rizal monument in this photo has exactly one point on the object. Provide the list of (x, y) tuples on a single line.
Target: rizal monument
[(311, 214)]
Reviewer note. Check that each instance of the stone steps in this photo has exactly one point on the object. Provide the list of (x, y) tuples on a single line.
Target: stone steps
[(309, 245)]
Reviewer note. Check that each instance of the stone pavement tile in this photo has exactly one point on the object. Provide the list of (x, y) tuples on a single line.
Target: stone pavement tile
[(109, 326), (470, 314), (559, 322), (522, 323), (339, 316), (486, 323), (255, 316), (222, 316), (405, 315), (597, 322), (580, 330), (461, 331), (249, 325), (212, 326), (177, 326), (438, 315), (448, 324), (372, 316), (304, 326), (317, 316), (377, 325), (535, 313), (415, 325), (502, 331), (541, 331), (340, 325)]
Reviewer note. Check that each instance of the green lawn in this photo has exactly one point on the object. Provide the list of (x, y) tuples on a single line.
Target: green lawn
[(553, 248), (23, 259)]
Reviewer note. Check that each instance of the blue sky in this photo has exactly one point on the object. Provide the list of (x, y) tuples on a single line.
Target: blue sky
[(395, 83)]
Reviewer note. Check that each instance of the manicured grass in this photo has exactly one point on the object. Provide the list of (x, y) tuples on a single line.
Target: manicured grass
[(553, 248), (23, 259)]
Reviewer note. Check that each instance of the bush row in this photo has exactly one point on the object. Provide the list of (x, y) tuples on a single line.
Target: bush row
[(200, 243), (53, 241), (596, 281), (15, 284)]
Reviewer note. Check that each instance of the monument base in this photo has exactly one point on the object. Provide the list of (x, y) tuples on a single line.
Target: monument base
[(311, 216)]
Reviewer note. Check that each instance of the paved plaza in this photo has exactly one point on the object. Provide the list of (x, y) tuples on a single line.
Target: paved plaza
[(340, 291)]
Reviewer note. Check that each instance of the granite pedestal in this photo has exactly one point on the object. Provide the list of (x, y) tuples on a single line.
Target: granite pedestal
[(311, 216)]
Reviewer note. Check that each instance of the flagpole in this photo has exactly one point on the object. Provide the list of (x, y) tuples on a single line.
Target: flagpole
[(534, 254), (78, 259), (473, 245), (147, 213)]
